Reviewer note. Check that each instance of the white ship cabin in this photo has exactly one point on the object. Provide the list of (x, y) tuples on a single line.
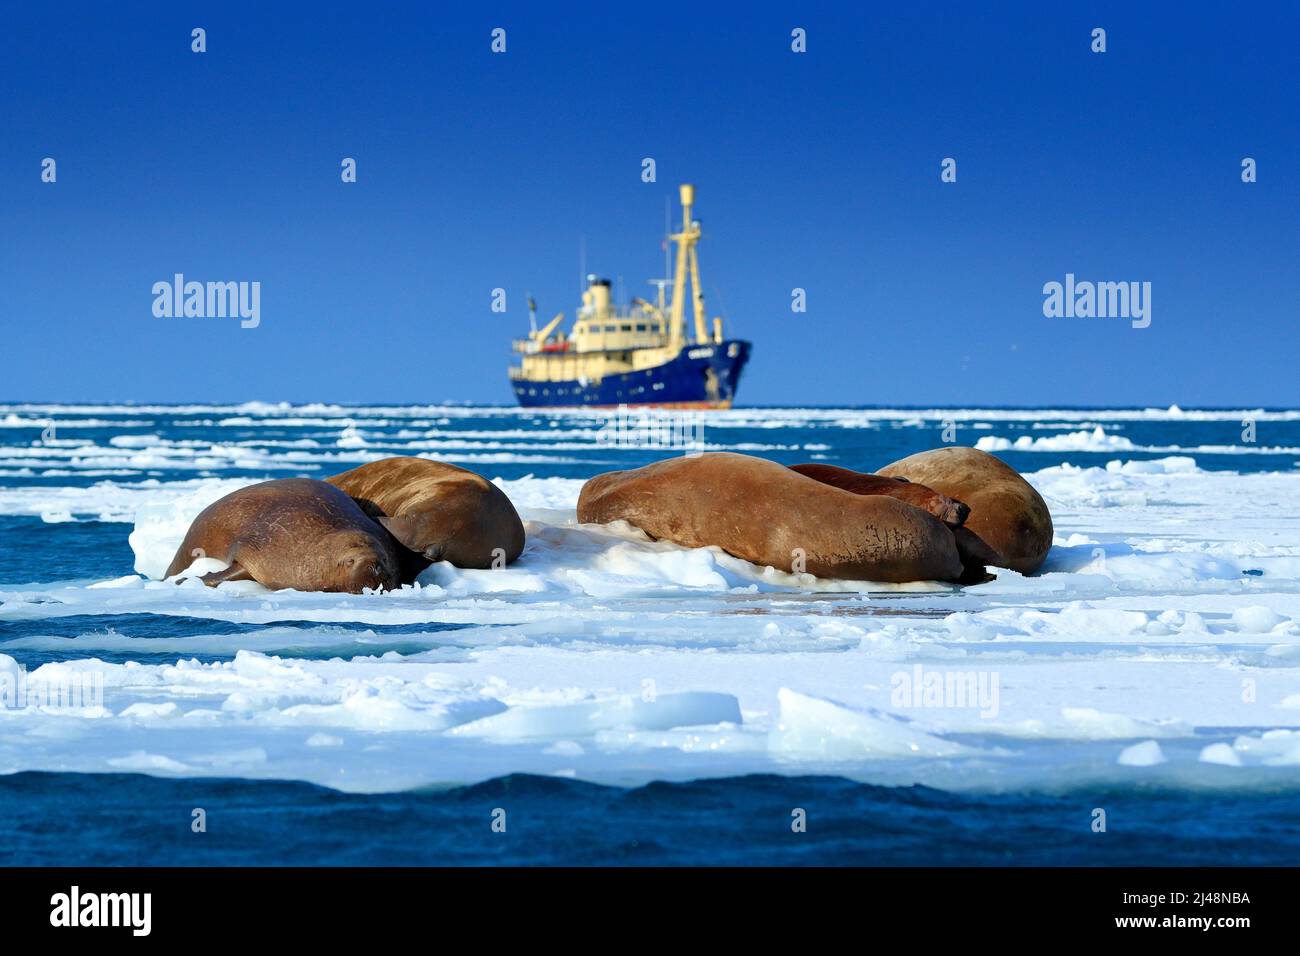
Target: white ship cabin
[(601, 326)]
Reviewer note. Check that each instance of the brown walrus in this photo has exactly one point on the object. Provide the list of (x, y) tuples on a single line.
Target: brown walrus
[(948, 510), (1005, 510), (765, 513), (975, 553), (437, 511), (291, 533)]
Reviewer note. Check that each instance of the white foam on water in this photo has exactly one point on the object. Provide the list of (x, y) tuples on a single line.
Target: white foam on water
[(259, 414)]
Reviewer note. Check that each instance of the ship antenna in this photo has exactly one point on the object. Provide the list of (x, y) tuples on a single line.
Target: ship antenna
[(582, 264), (668, 231), (532, 313), (660, 284)]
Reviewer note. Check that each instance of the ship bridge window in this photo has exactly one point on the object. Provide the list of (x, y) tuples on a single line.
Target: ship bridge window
[(611, 328), (627, 328), (641, 327)]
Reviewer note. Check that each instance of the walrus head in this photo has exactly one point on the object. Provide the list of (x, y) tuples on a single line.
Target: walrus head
[(443, 535), (959, 512), (426, 533), (360, 561), (950, 511)]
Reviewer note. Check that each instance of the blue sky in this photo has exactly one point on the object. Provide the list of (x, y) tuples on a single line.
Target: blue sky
[(818, 170)]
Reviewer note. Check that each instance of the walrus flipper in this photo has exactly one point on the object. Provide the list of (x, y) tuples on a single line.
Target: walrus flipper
[(236, 572), (975, 553)]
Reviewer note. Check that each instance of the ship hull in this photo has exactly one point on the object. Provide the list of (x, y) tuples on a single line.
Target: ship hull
[(701, 376)]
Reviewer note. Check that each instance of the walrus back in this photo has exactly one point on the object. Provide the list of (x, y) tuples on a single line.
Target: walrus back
[(764, 513), (597, 503), (947, 510), (216, 528), (199, 530), (450, 513)]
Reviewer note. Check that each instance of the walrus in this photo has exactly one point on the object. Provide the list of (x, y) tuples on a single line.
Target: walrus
[(948, 510), (974, 552), (437, 512), (1005, 510), (763, 512), (291, 533)]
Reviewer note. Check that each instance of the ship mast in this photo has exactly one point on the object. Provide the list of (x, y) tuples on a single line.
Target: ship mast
[(687, 258)]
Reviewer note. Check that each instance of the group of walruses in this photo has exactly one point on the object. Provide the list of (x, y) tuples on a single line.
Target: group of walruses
[(940, 515)]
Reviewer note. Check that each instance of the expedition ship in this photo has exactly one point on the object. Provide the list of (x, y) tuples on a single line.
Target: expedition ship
[(635, 355)]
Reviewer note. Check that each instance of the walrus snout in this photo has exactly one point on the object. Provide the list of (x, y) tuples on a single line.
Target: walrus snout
[(950, 511), (370, 573), (364, 565)]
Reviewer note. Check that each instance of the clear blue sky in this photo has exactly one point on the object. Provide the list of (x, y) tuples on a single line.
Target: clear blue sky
[(818, 170)]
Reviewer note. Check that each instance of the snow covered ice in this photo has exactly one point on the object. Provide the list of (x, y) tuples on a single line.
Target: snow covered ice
[(1161, 642)]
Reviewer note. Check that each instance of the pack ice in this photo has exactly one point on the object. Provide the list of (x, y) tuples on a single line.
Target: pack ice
[(1161, 643)]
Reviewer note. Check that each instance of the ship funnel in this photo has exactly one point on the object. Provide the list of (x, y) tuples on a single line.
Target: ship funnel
[(597, 295)]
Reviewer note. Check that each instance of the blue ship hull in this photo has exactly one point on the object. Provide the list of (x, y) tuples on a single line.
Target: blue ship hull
[(701, 376)]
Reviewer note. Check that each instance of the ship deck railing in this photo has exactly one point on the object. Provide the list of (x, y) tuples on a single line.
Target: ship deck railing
[(526, 347)]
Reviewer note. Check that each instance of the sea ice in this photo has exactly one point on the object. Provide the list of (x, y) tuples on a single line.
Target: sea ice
[(1145, 754), (1161, 634)]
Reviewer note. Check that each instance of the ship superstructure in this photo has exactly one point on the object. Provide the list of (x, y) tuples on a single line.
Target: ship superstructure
[(638, 354)]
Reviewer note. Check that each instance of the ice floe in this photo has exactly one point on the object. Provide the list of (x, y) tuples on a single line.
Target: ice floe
[(1161, 641)]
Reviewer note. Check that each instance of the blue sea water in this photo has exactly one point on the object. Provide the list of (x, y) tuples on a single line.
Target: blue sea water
[(77, 818), (134, 820)]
